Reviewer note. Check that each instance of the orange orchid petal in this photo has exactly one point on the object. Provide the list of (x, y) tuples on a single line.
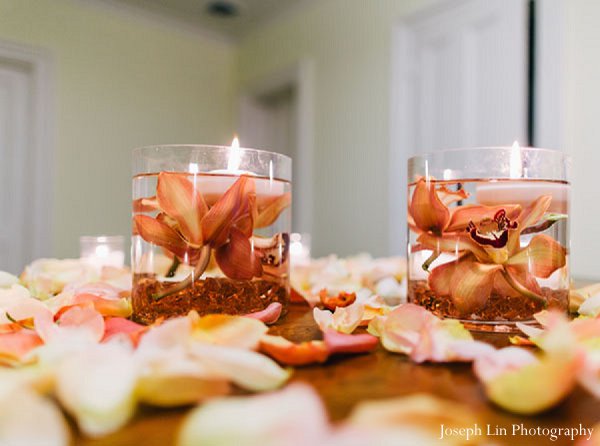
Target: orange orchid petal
[(427, 210), (529, 217), (289, 353), (472, 284), (160, 234), (178, 197), (440, 278), (268, 215), (269, 315), (235, 204), (462, 215), (453, 243), (145, 204), (448, 196), (534, 212), (237, 259), (543, 256), (519, 274)]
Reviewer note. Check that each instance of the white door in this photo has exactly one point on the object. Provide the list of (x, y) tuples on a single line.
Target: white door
[(15, 109), (276, 113), (460, 80), (25, 158)]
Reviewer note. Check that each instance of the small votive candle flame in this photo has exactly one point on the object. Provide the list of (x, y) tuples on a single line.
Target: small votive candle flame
[(100, 251)]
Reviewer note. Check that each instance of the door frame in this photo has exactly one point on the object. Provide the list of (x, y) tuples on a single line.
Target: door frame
[(301, 76), (549, 101), (39, 64)]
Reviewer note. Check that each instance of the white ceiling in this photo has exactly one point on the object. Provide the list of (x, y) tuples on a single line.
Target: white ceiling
[(253, 13)]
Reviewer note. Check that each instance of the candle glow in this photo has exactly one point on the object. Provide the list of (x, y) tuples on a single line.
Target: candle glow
[(235, 156), (516, 161)]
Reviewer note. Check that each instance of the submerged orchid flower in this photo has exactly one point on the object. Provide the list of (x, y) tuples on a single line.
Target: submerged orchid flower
[(487, 243), (188, 228)]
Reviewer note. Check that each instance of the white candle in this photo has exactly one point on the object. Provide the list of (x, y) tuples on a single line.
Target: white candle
[(102, 251), (216, 182), (517, 190), (524, 193)]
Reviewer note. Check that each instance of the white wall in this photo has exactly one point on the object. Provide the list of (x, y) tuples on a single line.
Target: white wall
[(582, 131), (349, 41), (121, 82)]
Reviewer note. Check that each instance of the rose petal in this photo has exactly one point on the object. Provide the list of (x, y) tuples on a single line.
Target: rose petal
[(16, 345), (267, 216), (106, 307), (231, 331), (591, 306), (414, 419), (118, 325), (269, 315), (247, 369), (579, 295), (497, 362), (78, 323), (7, 280), (542, 256), (343, 319), (173, 390), (346, 343), (178, 197), (32, 420), (97, 388), (290, 353), (414, 331), (533, 387), (292, 416), (160, 234), (237, 259), (426, 208)]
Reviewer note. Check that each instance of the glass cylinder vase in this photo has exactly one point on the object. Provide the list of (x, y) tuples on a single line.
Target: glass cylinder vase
[(211, 230), (488, 238)]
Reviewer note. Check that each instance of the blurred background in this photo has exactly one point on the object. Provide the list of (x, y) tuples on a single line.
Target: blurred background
[(349, 88)]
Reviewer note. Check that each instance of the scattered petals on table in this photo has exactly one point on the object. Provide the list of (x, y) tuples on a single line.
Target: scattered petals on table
[(269, 315), (526, 384), (296, 416), (27, 418), (414, 331), (292, 416)]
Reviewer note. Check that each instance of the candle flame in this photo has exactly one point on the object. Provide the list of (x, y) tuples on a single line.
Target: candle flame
[(516, 161), (235, 155)]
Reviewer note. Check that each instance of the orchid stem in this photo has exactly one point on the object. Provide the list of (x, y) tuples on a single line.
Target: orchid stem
[(523, 290), (198, 270), (174, 266), (434, 255)]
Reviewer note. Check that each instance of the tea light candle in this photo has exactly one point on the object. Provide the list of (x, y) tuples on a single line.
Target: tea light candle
[(99, 251), (299, 248), (502, 192), (216, 182)]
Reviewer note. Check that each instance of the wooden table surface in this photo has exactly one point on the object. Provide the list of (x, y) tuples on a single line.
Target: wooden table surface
[(344, 381)]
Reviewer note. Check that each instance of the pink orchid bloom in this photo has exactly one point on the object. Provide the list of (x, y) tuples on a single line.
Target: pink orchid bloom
[(188, 227), (487, 241)]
